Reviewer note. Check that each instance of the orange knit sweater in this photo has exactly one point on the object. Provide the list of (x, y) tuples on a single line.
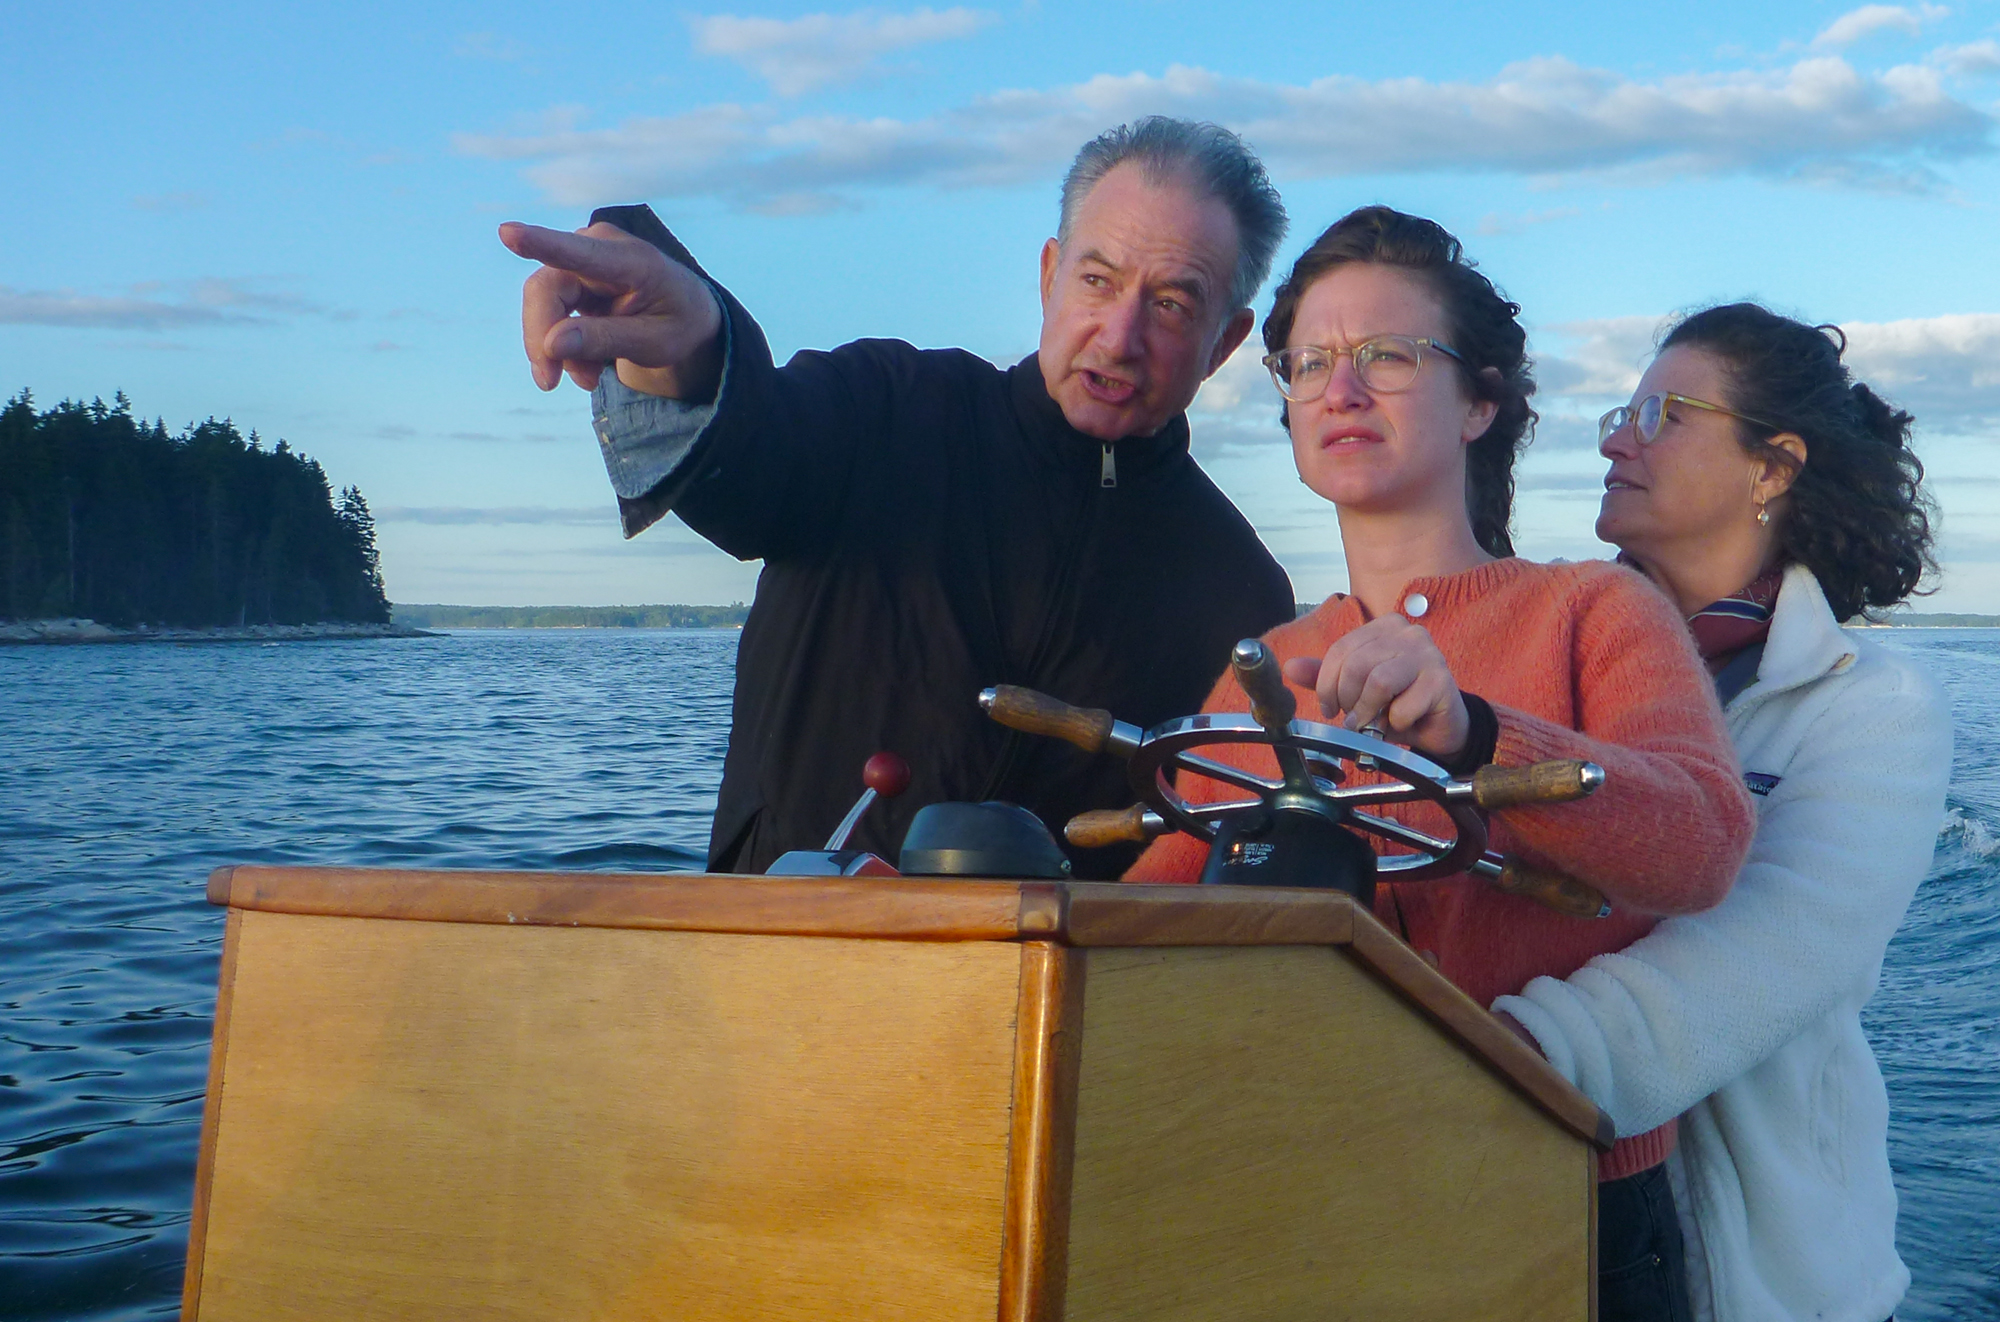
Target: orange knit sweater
[(1585, 661)]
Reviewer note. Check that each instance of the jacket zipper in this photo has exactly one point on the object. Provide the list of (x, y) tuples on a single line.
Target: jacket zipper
[(1108, 475)]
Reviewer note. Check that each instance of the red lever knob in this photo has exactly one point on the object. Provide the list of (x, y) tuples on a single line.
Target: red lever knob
[(886, 774)]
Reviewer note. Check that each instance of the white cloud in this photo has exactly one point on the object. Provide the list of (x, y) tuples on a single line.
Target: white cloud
[(1241, 382), (800, 55), (1600, 359), (153, 305), (1819, 120), (66, 307), (1944, 370), (219, 292), (1493, 224), (1237, 408), (1871, 19), (488, 46), (1973, 60)]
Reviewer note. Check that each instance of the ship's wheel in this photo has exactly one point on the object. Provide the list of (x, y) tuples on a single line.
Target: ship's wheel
[(1315, 765), (1312, 761)]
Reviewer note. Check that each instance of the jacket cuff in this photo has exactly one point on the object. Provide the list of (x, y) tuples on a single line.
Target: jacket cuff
[(1481, 739), (1543, 1028), (646, 438), (1639, 1153)]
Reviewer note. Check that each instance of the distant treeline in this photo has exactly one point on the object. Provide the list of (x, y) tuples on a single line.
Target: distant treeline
[(571, 617), (1916, 620), (109, 518)]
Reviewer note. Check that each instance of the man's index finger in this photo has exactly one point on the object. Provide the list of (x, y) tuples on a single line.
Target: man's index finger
[(614, 259)]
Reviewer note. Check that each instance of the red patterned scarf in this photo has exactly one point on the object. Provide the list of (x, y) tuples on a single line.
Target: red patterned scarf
[(1724, 628)]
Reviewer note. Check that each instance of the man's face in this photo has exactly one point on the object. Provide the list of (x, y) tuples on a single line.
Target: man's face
[(1135, 312)]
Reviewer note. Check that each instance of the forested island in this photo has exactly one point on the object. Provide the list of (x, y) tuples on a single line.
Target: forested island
[(571, 617), (1947, 620), (108, 518)]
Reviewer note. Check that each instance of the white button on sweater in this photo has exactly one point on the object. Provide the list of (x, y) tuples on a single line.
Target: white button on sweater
[(1748, 1017)]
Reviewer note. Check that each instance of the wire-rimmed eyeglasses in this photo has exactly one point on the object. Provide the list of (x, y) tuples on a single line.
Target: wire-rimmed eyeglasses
[(1385, 364), (1650, 414)]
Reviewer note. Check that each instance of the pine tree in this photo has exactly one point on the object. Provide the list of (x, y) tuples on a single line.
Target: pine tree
[(360, 528)]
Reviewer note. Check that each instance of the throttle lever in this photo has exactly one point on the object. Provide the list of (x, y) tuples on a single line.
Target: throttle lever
[(886, 776)]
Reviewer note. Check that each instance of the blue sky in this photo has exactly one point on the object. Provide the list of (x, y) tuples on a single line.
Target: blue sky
[(285, 215)]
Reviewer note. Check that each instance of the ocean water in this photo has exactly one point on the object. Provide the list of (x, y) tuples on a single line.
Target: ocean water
[(128, 772)]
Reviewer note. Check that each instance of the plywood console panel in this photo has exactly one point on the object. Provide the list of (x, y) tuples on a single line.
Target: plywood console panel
[(445, 1121), (1270, 1133)]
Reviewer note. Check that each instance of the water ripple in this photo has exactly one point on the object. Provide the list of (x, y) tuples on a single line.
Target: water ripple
[(127, 773)]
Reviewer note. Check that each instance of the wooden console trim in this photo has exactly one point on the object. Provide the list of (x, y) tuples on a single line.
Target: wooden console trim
[(1591, 1175), (1115, 914), (1048, 1052), (909, 909), (211, 1120), (1405, 971), (913, 908)]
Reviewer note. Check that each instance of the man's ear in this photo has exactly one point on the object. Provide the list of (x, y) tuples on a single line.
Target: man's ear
[(1234, 332), (1051, 258)]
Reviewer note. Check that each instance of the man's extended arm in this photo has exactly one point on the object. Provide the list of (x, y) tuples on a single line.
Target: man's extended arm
[(764, 473)]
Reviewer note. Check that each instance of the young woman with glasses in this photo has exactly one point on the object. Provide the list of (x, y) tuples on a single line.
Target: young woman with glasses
[(1772, 497), (1406, 388)]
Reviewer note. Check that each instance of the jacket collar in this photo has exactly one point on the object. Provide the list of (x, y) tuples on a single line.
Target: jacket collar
[(1044, 419), (1805, 643)]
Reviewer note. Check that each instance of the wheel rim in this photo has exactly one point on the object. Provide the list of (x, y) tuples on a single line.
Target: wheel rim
[(1174, 746)]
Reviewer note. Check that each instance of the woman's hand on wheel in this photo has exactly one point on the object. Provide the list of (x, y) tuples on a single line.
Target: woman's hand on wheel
[(1390, 674)]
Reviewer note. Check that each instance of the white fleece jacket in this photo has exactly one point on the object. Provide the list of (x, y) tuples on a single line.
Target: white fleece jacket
[(1747, 1018)]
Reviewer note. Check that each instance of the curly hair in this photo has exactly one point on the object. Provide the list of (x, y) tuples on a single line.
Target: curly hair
[(1484, 327), (1857, 514)]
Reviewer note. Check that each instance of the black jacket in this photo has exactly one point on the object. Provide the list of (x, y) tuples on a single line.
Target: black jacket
[(930, 525)]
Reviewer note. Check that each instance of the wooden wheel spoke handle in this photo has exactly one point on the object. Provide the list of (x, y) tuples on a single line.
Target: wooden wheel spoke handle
[(1552, 889), (1560, 781), (1271, 703), (1101, 827), (1092, 729)]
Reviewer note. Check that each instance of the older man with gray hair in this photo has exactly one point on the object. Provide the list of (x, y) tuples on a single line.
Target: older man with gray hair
[(931, 524)]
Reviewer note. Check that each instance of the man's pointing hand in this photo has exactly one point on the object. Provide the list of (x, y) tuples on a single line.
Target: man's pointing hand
[(604, 296)]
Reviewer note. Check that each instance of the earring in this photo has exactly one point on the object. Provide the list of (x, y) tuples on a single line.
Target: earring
[(1763, 517)]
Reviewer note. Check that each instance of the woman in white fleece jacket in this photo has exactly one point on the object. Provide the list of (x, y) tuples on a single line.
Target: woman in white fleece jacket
[(1750, 458)]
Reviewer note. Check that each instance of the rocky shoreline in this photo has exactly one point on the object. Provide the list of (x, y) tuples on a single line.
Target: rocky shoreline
[(90, 631)]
